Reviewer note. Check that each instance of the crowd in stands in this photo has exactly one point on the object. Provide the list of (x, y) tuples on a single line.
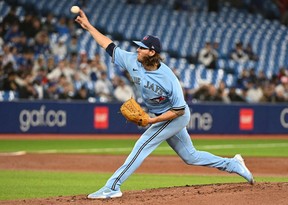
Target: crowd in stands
[(35, 68), (250, 87)]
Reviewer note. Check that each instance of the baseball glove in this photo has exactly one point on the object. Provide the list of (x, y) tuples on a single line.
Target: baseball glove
[(132, 111)]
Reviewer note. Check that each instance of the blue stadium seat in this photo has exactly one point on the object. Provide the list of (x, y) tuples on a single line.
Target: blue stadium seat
[(183, 33)]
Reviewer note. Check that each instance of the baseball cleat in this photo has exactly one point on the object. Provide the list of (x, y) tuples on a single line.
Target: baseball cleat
[(243, 170), (105, 193)]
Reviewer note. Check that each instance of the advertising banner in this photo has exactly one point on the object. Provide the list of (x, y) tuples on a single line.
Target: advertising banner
[(93, 118)]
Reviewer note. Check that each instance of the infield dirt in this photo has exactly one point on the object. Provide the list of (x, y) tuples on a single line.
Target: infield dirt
[(216, 194)]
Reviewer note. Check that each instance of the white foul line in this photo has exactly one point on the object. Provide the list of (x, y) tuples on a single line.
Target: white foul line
[(203, 147), (18, 153)]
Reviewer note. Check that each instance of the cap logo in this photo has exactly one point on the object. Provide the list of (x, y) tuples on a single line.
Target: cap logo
[(145, 38)]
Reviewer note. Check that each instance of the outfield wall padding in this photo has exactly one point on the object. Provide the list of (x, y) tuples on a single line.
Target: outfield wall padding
[(93, 118)]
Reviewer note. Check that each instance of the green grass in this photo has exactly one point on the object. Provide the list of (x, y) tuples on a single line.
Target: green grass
[(41, 184), (223, 147)]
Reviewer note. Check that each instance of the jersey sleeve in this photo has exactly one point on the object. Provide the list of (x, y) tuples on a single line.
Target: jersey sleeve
[(124, 58), (176, 96)]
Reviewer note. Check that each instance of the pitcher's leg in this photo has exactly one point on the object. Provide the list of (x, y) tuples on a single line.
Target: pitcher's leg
[(148, 142), (183, 146)]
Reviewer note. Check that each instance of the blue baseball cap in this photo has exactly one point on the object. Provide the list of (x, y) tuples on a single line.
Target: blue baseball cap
[(150, 42)]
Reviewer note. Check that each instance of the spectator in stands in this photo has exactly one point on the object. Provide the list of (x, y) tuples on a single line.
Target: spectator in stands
[(208, 56), (22, 44), (213, 94), (8, 56), (26, 61), (13, 34), (59, 50), (50, 64), (251, 54), (282, 72), (49, 25), (283, 9), (281, 90), (254, 92), (181, 5), (1, 66), (51, 91), (123, 91), (17, 56), (77, 81), (35, 28), (72, 46), (41, 44), (59, 70), (268, 93), (1, 37), (252, 76), (201, 93), (25, 25), (81, 94), (10, 19), (27, 90), (39, 63), (243, 79), (65, 88), (262, 79), (223, 91), (83, 58), (61, 26), (9, 82), (255, 6), (68, 92), (72, 27), (104, 88), (73, 60), (84, 72), (82, 3), (234, 96), (40, 81), (238, 54), (133, 1), (97, 66)]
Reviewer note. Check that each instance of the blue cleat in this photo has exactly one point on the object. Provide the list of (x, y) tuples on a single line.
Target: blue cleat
[(242, 170), (105, 193)]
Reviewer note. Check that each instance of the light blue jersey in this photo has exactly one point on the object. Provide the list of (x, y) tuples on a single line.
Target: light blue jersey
[(160, 89)]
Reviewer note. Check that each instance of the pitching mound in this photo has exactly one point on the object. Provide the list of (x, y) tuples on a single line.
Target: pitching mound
[(240, 193)]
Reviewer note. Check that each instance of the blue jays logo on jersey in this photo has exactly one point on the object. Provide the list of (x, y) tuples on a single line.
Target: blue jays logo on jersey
[(136, 80), (158, 99), (153, 87)]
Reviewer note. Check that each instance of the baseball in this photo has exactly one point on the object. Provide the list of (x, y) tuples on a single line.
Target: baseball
[(75, 9)]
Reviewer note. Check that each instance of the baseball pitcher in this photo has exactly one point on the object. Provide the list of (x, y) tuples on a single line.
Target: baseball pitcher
[(163, 96)]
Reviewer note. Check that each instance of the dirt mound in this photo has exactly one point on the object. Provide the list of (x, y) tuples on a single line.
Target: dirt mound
[(239, 193)]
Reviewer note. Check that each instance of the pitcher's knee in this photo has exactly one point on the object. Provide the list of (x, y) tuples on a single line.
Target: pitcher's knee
[(192, 158)]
